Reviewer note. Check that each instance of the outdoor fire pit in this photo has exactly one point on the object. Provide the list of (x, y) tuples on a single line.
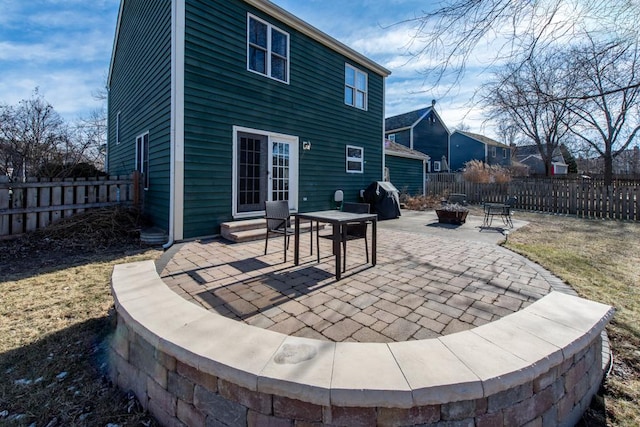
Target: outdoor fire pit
[(452, 214)]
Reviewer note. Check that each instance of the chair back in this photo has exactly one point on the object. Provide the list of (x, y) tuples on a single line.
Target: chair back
[(358, 230), (356, 207), (511, 201), (277, 214)]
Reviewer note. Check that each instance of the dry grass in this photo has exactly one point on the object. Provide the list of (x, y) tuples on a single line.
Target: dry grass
[(55, 307), (601, 261)]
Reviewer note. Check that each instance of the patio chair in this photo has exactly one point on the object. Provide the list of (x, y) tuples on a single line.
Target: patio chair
[(278, 222), (354, 231)]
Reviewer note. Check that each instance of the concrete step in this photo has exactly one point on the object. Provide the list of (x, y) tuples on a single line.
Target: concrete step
[(253, 229), (247, 224)]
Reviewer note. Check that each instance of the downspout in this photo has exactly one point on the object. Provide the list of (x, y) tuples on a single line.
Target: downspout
[(384, 139), (177, 51)]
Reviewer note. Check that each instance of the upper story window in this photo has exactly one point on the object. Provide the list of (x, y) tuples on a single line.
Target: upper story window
[(355, 159), (436, 166), (392, 137), (355, 87), (267, 50)]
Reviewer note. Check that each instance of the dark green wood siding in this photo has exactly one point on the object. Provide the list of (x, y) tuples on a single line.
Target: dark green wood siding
[(406, 174), (140, 88), (221, 93)]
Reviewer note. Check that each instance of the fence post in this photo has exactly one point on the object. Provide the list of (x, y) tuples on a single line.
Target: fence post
[(4, 205)]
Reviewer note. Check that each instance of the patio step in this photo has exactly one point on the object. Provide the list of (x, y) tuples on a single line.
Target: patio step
[(252, 229)]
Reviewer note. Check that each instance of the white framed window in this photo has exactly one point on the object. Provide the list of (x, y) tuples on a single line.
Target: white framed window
[(504, 153), (392, 137), (436, 166), (118, 128), (267, 49), (355, 87), (142, 157), (355, 159), (493, 151)]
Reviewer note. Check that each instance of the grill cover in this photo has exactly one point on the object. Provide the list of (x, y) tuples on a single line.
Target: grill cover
[(384, 199)]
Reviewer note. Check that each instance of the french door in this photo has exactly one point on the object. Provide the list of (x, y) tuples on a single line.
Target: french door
[(265, 168)]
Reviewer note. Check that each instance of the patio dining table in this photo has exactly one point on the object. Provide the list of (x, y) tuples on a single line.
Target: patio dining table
[(337, 219)]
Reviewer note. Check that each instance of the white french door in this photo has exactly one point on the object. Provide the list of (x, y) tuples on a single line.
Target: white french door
[(265, 168)]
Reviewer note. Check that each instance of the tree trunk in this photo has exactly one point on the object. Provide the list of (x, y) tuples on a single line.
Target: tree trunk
[(608, 168)]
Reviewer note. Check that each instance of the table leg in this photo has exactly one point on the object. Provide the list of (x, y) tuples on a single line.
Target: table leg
[(296, 252), (337, 248), (374, 241)]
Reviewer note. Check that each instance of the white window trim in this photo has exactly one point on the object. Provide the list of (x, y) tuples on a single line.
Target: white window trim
[(494, 151), (436, 166), (293, 177), (140, 158), (354, 159), (269, 52), (392, 137), (355, 88)]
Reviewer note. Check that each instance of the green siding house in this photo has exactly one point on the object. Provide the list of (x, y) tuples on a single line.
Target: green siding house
[(467, 146), (224, 104), (405, 168)]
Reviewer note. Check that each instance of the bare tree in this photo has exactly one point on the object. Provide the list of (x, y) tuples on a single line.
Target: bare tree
[(520, 95), (610, 120), (32, 135), (451, 35)]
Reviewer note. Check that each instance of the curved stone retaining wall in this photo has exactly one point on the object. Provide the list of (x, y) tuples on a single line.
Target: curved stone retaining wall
[(187, 366)]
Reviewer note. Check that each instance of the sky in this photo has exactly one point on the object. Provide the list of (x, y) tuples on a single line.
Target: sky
[(63, 48)]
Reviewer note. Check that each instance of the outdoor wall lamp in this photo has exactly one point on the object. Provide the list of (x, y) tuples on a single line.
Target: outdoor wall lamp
[(306, 145)]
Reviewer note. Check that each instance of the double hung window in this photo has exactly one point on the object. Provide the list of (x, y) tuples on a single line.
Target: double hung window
[(267, 50), (355, 87)]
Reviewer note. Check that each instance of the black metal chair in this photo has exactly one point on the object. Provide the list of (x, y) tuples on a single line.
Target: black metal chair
[(278, 222), (354, 231), (506, 211)]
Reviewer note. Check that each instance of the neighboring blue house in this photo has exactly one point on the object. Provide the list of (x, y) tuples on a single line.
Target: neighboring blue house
[(467, 146), (422, 130), (405, 168), (225, 104), (529, 155)]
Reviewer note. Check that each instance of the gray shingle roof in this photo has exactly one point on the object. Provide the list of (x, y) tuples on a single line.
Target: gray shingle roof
[(404, 120), (482, 138), (395, 148)]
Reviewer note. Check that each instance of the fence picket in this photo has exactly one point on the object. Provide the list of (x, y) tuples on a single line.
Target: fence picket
[(583, 198), (37, 203)]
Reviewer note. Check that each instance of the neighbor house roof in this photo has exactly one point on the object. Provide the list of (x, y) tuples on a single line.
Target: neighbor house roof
[(482, 138), (405, 120), (395, 149), (524, 152)]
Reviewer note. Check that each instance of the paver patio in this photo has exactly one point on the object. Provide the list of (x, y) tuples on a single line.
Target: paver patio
[(425, 284)]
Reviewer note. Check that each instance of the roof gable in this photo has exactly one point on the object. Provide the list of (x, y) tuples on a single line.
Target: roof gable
[(405, 120)]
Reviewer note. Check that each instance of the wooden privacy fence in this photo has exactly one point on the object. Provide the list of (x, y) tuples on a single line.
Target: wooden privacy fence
[(37, 203), (583, 198)]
